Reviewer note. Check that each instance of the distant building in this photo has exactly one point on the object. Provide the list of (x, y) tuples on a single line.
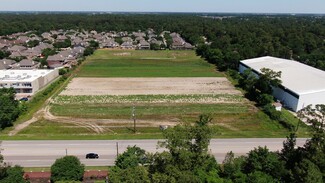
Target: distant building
[(26, 82), (301, 84), (7, 64), (28, 64), (144, 45), (55, 61), (127, 45)]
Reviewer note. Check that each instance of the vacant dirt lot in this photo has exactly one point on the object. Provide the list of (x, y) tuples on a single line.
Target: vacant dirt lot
[(149, 86)]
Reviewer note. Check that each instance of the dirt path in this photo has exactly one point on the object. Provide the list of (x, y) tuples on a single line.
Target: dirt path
[(102, 125), (37, 116)]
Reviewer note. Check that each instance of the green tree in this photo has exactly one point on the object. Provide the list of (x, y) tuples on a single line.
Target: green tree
[(268, 79), (10, 174), (264, 99), (48, 51), (9, 108), (215, 56), (260, 177), (32, 43), (14, 174), (314, 149), (132, 157), (262, 160), (232, 168), (88, 51), (307, 172), (3, 168), (136, 174), (247, 82), (93, 44), (4, 54), (272, 112), (187, 147), (162, 178), (232, 59), (63, 44), (154, 46), (67, 168)]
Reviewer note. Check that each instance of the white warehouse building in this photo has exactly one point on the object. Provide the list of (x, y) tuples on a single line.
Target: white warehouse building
[(26, 82), (302, 85)]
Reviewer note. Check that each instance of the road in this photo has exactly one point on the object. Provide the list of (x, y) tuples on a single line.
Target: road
[(44, 153)]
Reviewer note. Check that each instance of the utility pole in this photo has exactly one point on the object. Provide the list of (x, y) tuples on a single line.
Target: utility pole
[(116, 149), (134, 119), (1, 149)]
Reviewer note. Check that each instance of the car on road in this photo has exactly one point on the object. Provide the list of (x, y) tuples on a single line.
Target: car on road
[(23, 99), (92, 156)]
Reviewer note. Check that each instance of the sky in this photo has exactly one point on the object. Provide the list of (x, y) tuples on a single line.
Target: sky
[(222, 6)]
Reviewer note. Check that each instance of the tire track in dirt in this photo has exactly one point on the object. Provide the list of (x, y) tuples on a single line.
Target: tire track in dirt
[(102, 125)]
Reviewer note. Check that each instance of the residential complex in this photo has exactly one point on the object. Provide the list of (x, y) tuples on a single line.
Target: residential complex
[(22, 56)]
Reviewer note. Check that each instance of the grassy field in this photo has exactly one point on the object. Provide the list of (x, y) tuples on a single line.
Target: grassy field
[(153, 111), (136, 63), (225, 125)]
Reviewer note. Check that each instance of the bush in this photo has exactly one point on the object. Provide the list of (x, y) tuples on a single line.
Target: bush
[(13, 174), (63, 71), (287, 125), (88, 51), (271, 112), (67, 168), (234, 74), (264, 99)]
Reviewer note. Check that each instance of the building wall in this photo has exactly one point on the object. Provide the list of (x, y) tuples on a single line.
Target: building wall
[(312, 98), (50, 77), (287, 99), (35, 86), (242, 68)]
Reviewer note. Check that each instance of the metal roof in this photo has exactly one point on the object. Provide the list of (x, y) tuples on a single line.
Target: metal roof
[(295, 76), (22, 75)]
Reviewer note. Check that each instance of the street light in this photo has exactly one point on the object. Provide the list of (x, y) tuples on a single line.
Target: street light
[(134, 119)]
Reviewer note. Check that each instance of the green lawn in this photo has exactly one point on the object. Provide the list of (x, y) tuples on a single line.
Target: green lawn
[(140, 63), (226, 125)]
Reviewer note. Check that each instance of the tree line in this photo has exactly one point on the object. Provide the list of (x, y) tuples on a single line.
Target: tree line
[(230, 39)]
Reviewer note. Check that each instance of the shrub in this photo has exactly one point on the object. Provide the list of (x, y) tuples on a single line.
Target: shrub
[(271, 112), (264, 99), (67, 168)]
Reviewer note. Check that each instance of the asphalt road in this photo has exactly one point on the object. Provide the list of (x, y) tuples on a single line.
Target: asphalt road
[(44, 153)]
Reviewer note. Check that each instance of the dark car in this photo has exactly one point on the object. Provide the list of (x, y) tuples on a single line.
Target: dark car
[(24, 99), (92, 156)]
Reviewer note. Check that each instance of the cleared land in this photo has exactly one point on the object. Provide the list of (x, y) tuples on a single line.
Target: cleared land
[(149, 86), (165, 87)]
